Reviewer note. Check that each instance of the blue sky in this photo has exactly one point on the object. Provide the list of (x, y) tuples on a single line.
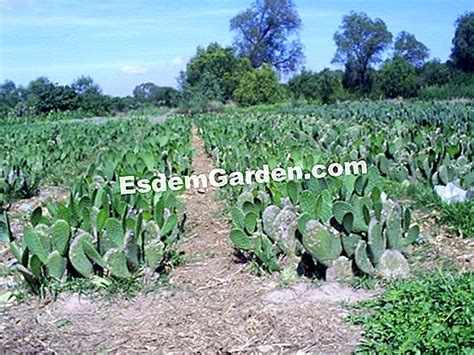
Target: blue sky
[(121, 44)]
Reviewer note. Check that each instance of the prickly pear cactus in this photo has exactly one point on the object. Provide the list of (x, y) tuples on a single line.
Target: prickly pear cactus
[(268, 218), (375, 240), (362, 259), (340, 270), (393, 265), (77, 255), (240, 239), (60, 235), (321, 243), (286, 225), (56, 265), (265, 251), (393, 229), (154, 253), (117, 263)]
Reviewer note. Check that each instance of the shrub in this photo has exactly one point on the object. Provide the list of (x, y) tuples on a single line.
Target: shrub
[(259, 87), (432, 315), (398, 78)]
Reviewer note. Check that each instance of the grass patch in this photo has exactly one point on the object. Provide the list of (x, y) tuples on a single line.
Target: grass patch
[(431, 314)]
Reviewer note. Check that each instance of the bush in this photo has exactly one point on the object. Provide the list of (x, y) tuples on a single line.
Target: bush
[(259, 87), (430, 315), (398, 78), (324, 87)]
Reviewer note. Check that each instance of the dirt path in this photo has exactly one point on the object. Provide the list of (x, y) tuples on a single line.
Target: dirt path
[(214, 304)]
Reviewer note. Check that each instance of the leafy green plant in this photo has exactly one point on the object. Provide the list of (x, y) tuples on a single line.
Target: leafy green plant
[(432, 314), (99, 232)]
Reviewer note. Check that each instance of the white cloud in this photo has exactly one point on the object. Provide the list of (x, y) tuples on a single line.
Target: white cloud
[(134, 69), (177, 62)]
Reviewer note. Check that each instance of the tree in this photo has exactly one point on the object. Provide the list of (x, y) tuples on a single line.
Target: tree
[(304, 85), (259, 86), (42, 96), (434, 73), (267, 33), (160, 96), (10, 95), (410, 49), (360, 42), (330, 84), (84, 85), (145, 92), (398, 78), (463, 43), (91, 97), (214, 73)]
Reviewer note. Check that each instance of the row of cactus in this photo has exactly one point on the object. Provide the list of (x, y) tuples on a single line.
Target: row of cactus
[(58, 152), (58, 246), (437, 151), (98, 231), (353, 223), (58, 250)]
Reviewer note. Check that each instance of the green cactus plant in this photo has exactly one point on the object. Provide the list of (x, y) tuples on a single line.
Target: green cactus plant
[(61, 235), (77, 256), (56, 265), (240, 239), (116, 261), (154, 253), (349, 243), (321, 243), (375, 241), (362, 259), (286, 224), (269, 215)]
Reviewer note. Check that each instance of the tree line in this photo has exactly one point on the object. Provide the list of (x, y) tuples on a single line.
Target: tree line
[(374, 64)]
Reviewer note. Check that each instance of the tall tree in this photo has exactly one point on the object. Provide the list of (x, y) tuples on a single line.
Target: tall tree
[(360, 41), (214, 72), (410, 49), (463, 43), (268, 33)]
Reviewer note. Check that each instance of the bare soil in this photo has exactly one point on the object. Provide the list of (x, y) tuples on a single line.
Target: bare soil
[(213, 304)]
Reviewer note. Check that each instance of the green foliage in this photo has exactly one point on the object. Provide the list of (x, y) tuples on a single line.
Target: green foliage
[(213, 74), (402, 143), (259, 87), (409, 48), (159, 96), (99, 231), (90, 96), (432, 314), (457, 85), (463, 43), (398, 78), (267, 34), (360, 42), (325, 86), (435, 73)]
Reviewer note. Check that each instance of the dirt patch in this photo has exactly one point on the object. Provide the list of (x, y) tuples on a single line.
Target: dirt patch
[(328, 292), (441, 246), (213, 304)]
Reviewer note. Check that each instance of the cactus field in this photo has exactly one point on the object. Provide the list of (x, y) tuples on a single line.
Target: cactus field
[(259, 268)]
